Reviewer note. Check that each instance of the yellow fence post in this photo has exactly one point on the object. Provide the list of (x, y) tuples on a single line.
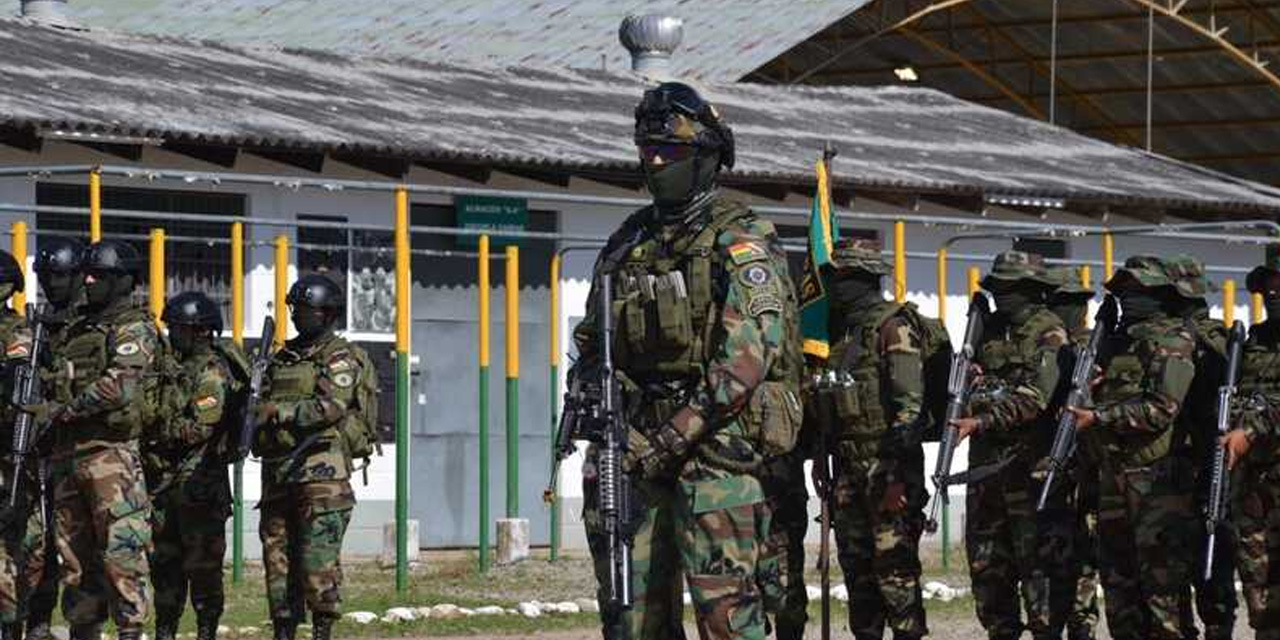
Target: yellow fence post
[(402, 389), (900, 261), (483, 391), (1255, 302), (554, 384), (975, 280), (282, 289), (1108, 256), (237, 336), (18, 245), (1086, 277), (942, 285), (513, 381), (1228, 302), (156, 288), (95, 205)]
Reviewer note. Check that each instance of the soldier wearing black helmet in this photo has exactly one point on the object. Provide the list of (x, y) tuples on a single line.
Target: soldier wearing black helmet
[(57, 267), (103, 509), (313, 423), (21, 559), (186, 472), (696, 409)]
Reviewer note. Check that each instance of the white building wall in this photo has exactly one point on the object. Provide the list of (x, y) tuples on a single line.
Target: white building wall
[(283, 204)]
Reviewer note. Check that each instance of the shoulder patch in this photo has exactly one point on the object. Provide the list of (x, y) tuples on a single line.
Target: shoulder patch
[(745, 252), (206, 403), (128, 348), (18, 349), (344, 380), (763, 303), (755, 276)]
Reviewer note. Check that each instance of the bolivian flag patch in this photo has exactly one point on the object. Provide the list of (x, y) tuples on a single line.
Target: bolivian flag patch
[(745, 252), (17, 350), (206, 403)]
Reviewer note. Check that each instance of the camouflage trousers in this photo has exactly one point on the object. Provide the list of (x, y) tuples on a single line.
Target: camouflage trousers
[(190, 544), (301, 528), (1215, 599), (1256, 515), (22, 554), (879, 551), (782, 564), (1145, 516), (104, 535), (44, 599), (1006, 562), (1083, 613), (1067, 547), (712, 532)]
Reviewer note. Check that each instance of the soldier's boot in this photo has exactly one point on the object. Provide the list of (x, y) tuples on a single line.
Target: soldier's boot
[(166, 626), (129, 633), (284, 629), (11, 631), (38, 630), (91, 631), (206, 626), (322, 627)]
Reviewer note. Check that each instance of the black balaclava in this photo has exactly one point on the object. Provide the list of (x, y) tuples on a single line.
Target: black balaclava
[(106, 288), (1015, 296), (312, 323), (1272, 304), (188, 339), (854, 289), (61, 289), (1141, 304), (683, 187), (1072, 309)]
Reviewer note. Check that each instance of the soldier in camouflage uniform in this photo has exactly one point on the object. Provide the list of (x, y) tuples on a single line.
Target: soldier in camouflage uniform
[(310, 396), (875, 434), (1146, 479), (103, 510), (57, 266), (1253, 450), (1215, 599), (1071, 530), (21, 555), (782, 478), (708, 351), (186, 472), (1018, 359)]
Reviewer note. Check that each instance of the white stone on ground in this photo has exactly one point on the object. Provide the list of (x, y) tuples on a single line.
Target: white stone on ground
[(490, 610), (568, 607), (687, 598), (247, 632), (60, 633), (360, 617), (814, 593), (588, 605), (529, 609), (445, 611), (840, 592), (400, 614)]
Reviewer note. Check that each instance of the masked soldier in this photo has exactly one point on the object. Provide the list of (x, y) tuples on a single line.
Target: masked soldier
[(874, 396), (707, 347), (1215, 599), (1070, 528), (1146, 480), (20, 553), (185, 470), (57, 266), (1018, 359), (312, 399), (103, 510)]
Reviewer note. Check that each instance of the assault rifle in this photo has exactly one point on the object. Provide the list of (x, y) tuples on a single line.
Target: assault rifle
[(26, 391), (579, 415), (258, 371), (959, 383), (1064, 439), (1219, 489)]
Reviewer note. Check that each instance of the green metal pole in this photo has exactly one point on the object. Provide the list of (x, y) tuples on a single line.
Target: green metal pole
[(402, 472), (513, 381), (946, 536), (484, 468), (237, 526), (555, 489)]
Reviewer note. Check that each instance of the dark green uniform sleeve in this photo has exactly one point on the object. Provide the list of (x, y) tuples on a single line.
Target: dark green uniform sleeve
[(130, 358), (900, 347), (746, 336), (1029, 388), (1169, 371), (334, 395), (204, 411)]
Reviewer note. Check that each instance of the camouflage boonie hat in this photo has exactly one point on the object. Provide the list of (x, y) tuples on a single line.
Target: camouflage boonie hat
[(1257, 279), (1069, 282), (1186, 274), (859, 253), (1012, 266), (1147, 271)]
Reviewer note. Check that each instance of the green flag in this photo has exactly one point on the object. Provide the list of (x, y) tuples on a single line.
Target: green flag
[(823, 233)]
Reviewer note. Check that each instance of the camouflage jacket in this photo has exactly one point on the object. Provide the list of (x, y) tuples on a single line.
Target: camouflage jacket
[(54, 370), (108, 355), (879, 386), (696, 354), (309, 390), (1258, 408), (1144, 382), (182, 443), (15, 336), (1019, 362)]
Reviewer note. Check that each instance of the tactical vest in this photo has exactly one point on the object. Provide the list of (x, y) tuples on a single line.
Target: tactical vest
[(87, 354), (1006, 358), (1128, 375), (10, 324), (667, 300), (1260, 381), (53, 367), (857, 395)]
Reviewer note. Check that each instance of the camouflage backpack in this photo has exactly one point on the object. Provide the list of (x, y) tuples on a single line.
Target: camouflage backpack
[(360, 429), (935, 358)]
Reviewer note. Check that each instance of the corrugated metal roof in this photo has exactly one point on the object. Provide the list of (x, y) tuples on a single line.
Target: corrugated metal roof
[(724, 39), (896, 137)]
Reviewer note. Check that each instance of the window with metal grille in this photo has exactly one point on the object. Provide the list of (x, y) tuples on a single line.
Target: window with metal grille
[(197, 254), (362, 262)]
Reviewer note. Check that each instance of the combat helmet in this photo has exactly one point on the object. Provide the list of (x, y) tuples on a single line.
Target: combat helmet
[(59, 254), (1186, 274), (1014, 266), (193, 308), (1256, 281), (1147, 271), (316, 290), (674, 113), (860, 254), (112, 256), (1070, 284)]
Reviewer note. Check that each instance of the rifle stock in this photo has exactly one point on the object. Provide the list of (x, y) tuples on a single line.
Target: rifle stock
[(615, 489), (1064, 438), (958, 384), (26, 391), (1219, 488), (249, 428)]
